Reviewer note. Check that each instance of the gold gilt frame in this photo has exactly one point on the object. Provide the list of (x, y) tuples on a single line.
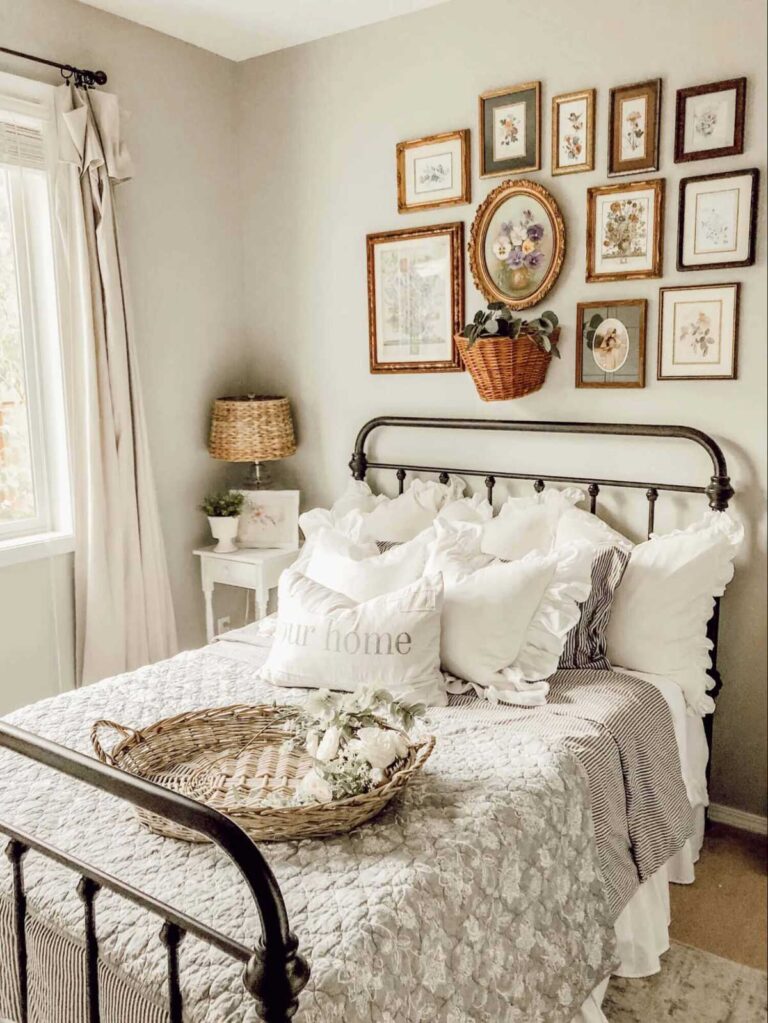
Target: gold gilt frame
[(466, 182), (510, 90), (588, 164), (657, 186), (455, 233), (485, 212)]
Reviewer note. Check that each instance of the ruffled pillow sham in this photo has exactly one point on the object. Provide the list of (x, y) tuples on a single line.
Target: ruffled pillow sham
[(526, 524)]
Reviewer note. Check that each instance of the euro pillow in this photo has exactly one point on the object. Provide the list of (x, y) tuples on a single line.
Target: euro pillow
[(359, 571), (401, 518), (527, 524), (324, 639), (666, 599)]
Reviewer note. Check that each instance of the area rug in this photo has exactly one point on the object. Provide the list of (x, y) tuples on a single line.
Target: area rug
[(693, 987)]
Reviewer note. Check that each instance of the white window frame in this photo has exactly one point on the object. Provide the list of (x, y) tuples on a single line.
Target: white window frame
[(51, 531)]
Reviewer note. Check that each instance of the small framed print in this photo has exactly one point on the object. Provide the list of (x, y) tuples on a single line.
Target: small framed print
[(625, 224), (573, 132), (433, 171), (717, 220), (416, 299), (611, 343), (269, 518), (698, 332), (709, 120), (635, 119), (510, 126)]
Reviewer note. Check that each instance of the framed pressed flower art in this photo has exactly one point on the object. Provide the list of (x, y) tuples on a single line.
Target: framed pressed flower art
[(433, 172), (635, 119), (517, 244), (611, 343), (573, 132), (717, 220), (624, 231), (709, 120), (416, 299), (510, 125), (698, 332)]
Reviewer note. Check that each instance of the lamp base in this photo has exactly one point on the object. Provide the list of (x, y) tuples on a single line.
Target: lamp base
[(258, 478)]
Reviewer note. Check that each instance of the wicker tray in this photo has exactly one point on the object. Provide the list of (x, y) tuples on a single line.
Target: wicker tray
[(229, 757)]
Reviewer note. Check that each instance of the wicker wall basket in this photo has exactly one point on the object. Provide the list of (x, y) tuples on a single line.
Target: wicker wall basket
[(230, 758), (505, 368)]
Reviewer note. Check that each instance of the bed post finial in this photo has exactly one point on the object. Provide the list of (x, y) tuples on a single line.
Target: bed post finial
[(719, 492), (275, 981), (358, 463)]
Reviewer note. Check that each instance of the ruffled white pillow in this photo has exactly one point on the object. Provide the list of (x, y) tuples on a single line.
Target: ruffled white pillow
[(527, 524), (665, 600)]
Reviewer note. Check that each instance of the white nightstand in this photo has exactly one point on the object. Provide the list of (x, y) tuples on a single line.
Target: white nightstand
[(257, 570)]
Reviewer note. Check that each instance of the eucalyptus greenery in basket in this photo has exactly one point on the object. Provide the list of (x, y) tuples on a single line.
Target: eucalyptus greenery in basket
[(499, 321), (352, 738)]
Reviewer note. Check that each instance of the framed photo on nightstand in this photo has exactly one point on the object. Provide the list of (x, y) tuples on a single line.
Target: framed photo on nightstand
[(269, 519)]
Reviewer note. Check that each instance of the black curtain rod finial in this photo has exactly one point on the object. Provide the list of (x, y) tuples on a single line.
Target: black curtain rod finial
[(83, 78)]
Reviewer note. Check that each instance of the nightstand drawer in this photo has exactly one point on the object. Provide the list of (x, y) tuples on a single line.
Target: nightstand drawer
[(234, 573)]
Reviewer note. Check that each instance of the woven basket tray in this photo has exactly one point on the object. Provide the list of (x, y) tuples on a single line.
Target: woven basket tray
[(505, 368), (229, 757)]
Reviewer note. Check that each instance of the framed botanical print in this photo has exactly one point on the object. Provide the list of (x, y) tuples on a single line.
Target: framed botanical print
[(635, 119), (698, 332), (573, 132), (510, 127), (717, 220), (416, 299), (709, 120), (611, 343), (517, 244), (625, 225), (433, 171), (269, 518)]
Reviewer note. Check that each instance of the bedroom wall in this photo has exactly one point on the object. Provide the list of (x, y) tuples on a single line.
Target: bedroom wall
[(179, 220), (318, 126)]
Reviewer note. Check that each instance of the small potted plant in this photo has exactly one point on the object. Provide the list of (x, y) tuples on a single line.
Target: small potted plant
[(507, 356), (223, 511)]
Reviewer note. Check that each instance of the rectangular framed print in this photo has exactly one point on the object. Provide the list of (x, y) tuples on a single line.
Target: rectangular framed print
[(625, 225), (709, 120), (433, 171), (611, 343), (698, 332), (635, 119), (573, 132), (269, 519), (510, 126), (416, 299), (717, 220)]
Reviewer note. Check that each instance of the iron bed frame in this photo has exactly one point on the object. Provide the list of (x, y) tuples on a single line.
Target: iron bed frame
[(275, 973)]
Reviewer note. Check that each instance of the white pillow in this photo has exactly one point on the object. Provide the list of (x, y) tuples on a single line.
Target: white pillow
[(476, 508), (527, 523), (359, 571), (665, 600), (326, 640), (402, 518)]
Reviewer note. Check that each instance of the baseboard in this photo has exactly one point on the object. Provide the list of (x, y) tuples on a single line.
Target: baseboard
[(738, 818)]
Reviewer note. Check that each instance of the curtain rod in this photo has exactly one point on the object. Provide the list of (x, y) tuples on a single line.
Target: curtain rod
[(83, 78)]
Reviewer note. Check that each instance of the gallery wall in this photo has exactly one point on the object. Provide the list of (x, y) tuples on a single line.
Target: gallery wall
[(318, 126)]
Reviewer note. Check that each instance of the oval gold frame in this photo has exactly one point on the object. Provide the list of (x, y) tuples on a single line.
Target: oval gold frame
[(476, 247)]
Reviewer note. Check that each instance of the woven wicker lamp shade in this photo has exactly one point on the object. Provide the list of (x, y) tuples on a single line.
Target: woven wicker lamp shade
[(254, 428)]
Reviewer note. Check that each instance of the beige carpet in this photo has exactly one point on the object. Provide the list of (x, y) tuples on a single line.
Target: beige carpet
[(693, 987)]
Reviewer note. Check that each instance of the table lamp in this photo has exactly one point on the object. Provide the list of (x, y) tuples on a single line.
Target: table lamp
[(255, 428)]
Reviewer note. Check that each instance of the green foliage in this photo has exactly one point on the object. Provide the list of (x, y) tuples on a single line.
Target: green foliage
[(226, 504), (590, 329), (500, 321)]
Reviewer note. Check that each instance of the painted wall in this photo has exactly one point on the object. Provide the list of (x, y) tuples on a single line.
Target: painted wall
[(179, 219), (318, 128)]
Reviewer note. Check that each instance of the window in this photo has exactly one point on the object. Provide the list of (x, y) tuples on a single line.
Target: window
[(34, 492)]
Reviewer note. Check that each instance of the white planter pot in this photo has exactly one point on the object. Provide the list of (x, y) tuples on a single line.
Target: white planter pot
[(224, 529)]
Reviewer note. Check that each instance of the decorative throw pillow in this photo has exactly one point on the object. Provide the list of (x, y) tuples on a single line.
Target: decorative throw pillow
[(359, 571), (527, 524), (404, 517), (326, 640), (665, 601)]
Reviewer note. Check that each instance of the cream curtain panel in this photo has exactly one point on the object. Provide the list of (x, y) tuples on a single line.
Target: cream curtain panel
[(123, 611)]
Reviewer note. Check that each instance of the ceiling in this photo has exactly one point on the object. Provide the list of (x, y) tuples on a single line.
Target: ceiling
[(239, 29)]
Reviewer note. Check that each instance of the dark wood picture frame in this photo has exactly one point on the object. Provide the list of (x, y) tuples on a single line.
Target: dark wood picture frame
[(683, 95), (455, 232), (651, 92), (752, 172), (658, 185), (465, 196), (700, 287), (489, 167), (581, 308)]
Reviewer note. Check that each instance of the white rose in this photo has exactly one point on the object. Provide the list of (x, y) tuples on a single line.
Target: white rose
[(329, 745), (318, 704), (377, 776), (380, 747), (314, 786)]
